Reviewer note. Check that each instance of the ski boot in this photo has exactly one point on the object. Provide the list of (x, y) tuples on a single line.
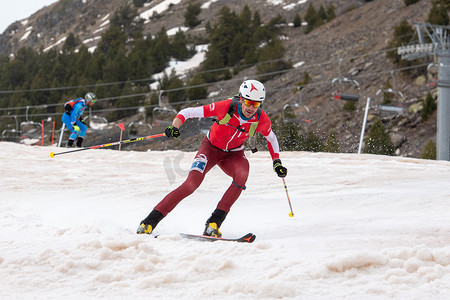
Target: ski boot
[(144, 228), (211, 229), (148, 224), (79, 142), (213, 223), (70, 143)]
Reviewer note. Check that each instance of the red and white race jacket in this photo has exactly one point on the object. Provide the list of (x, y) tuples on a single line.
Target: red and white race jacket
[(228, 137)]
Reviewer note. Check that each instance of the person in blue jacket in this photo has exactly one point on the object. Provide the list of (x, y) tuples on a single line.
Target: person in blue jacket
[(72, 117)]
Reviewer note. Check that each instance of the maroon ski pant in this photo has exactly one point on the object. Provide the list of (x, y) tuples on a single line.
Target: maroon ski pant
[(233, 163)]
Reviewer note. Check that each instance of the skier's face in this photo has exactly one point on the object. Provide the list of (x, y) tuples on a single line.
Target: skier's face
[(249, 107)]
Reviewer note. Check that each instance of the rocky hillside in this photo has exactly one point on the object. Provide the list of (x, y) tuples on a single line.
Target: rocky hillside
[(87, 19), (357, 38)]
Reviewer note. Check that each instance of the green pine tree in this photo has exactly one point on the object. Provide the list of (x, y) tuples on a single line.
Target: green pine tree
[(438, 15), (311, 142), (196, 93), (378, 140), (70, 43), (126, 106), (429, 106), (256, 21), (112, 41), (213, 61), (178, 47), (270, 58), (161, 50), (311, 18), (138, 3), (289, 136), (140, 62), (402, 36), (297, 21), (332, 143), (191, 16), (322, 15), (331, 14), (171, 84)]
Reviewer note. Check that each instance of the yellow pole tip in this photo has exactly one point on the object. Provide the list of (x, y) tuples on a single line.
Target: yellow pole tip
[(291, 214), (52, 154)]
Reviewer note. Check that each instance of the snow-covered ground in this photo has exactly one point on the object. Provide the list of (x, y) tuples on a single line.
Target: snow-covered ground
[(158, 9), (181, 67), (365, 227)]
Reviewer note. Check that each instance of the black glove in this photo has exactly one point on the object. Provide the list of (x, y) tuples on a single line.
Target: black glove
[(279, 169), (172, 132)]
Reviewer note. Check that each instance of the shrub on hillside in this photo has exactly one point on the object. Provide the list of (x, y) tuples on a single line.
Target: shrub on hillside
[(409, 2), (429, 105), (430, 151)]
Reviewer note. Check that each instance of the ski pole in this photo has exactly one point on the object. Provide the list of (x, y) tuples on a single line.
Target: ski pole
[(291, 214), (110, 144)]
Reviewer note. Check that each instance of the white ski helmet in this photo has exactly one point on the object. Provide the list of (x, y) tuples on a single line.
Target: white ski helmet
[(253, 90), (91, 97)]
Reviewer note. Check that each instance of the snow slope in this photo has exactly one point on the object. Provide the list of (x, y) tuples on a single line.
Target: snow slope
[(365, 227)]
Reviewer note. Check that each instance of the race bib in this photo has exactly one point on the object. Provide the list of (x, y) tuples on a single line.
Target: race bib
[(199, 163)]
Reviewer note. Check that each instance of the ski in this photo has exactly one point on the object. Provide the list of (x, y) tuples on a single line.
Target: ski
[(248, 238)]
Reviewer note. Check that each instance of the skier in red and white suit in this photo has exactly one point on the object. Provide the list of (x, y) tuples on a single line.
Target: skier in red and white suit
[(223, 146)]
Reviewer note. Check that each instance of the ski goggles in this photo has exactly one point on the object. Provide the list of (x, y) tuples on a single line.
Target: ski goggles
[(249, 102)]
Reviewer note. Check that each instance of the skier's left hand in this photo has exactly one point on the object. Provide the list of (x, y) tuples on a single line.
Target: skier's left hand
[(172, 132), (279, 169)]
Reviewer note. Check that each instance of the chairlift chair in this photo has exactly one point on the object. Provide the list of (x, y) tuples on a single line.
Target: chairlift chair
[(398, 99), (30, 127), (11, 135), (96, 119), (339, 85), (96, 122), (294, 120), (139, 124), (159, 111)]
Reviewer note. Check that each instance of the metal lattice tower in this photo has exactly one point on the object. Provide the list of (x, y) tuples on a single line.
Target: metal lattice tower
[(439, 47)]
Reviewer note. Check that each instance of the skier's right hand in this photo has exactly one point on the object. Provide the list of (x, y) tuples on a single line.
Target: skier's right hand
[(279, 169), (76, 128), (172, 132)]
